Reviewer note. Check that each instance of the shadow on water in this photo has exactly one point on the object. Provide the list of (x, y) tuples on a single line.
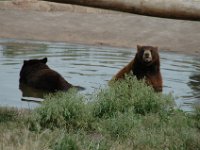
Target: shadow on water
[(91, 67), (194, 81), (195, 85)]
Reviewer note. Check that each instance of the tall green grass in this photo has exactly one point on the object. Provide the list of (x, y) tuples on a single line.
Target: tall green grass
[(126, 115)]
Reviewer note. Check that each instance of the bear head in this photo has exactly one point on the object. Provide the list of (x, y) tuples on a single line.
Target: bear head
[(35, 61), (31, 66), (147, 56)]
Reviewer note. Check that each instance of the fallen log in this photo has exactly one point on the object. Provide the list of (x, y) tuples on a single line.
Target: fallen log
[(175, 9)]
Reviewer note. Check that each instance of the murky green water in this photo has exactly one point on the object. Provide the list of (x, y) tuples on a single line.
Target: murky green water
[(92, 67)]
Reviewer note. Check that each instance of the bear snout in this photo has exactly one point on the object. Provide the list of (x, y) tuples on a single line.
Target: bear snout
[(147, 56)]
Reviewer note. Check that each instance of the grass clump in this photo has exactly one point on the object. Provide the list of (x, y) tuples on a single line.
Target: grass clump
[(24, 139), (8, 114), (80, 141), (130, 95), (67, 142), (62, 110)]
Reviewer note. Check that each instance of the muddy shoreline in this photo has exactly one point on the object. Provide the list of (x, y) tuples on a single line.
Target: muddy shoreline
[(44, 21)]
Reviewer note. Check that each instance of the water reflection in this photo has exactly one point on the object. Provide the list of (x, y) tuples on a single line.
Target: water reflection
[(194, 83), (90, 67)]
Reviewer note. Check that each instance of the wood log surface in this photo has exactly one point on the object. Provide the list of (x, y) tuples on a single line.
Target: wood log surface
[(175, 9)]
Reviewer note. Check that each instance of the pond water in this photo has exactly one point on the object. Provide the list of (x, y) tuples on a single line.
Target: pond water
[(92, 67)]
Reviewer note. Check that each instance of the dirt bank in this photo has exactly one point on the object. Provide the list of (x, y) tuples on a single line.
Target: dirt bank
[(67, 23)]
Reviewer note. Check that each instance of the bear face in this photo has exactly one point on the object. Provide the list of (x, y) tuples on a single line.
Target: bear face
[(36, 74), (146, 66), (147, 56)]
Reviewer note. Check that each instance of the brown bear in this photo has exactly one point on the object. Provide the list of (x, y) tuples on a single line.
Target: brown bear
[(35, 73), (145, 65)]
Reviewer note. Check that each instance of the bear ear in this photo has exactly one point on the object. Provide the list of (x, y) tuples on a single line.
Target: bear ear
[(156, 48), (25, 61), (139, 48), (44, 60)]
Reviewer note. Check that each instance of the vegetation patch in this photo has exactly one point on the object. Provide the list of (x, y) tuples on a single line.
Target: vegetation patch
[(8, 114), (62, 110), (131, 95), (125, 115)]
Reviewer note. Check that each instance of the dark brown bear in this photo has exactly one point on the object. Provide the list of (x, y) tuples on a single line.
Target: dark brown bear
[(145, 65), (35, 73)]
